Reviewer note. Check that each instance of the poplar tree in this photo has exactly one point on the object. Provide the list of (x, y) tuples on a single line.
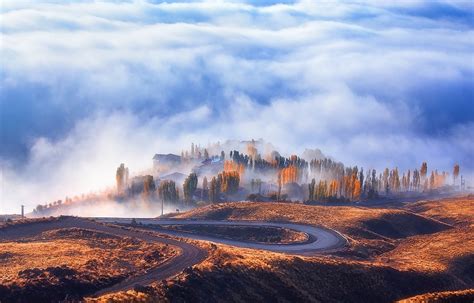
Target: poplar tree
[(189, 187), (455, 173)]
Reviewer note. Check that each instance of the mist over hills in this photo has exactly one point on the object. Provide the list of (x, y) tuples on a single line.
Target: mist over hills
[(88, 85), (249, 170)]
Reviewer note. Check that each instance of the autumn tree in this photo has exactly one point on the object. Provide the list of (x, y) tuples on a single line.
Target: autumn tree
[(231, 165), (394, 180), (289, 174), (229, 181), (333, 188), (356, 190)]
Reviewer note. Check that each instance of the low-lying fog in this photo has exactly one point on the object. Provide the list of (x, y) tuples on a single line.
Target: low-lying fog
[(111, 208)]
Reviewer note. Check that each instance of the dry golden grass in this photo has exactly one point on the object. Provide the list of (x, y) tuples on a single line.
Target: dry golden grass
[(233, 274), (411, 242), (450, 250), (334, 216), (20, 221), (342, 218), (445, 296), (456, 211), (370, 231), (435, 252), (390, 233), (77, 259), (408, 254)]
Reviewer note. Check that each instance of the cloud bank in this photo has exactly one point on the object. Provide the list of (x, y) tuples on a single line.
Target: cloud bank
[(87, 85)]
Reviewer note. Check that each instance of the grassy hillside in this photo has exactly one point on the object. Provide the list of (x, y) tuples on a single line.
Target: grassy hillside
[(459, 296), (421, 256), (242, 275), (70, 263), (386, 223), (455, 211), (370, 231)]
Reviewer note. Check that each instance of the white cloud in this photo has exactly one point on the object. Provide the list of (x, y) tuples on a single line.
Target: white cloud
[(135, 78)]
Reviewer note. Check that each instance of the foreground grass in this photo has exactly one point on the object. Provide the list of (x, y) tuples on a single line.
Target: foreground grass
[(70, 263), (242, 275)]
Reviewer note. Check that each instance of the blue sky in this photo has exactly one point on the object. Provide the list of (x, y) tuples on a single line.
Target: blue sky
[(86, 85)]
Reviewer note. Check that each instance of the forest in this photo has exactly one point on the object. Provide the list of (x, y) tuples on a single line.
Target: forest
[(201, 176)]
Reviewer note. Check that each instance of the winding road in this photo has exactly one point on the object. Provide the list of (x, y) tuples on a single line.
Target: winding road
[(320, 240), (189, 254)]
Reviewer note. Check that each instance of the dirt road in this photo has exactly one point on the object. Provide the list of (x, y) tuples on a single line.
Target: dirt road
[(188, 256), (323, 239)]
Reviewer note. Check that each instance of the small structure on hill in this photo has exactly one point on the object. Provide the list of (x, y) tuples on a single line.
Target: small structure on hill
[(160, 159)]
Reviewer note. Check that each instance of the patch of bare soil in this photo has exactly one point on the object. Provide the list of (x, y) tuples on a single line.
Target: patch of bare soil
[(259, 234)]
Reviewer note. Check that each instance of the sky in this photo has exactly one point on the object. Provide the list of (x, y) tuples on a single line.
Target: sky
[(87, 85)]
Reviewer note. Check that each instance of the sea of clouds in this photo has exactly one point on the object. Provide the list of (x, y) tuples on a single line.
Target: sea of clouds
[(86, 85)]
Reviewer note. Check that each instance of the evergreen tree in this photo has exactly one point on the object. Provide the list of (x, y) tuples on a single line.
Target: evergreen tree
[(311, 189), (168, 191), (189, 187), (204, 187), (455, 173), (214, 190), (423, 170), (148, 187)]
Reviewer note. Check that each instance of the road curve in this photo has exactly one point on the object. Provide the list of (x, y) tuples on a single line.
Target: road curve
[(323, 239), (189, 255)]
